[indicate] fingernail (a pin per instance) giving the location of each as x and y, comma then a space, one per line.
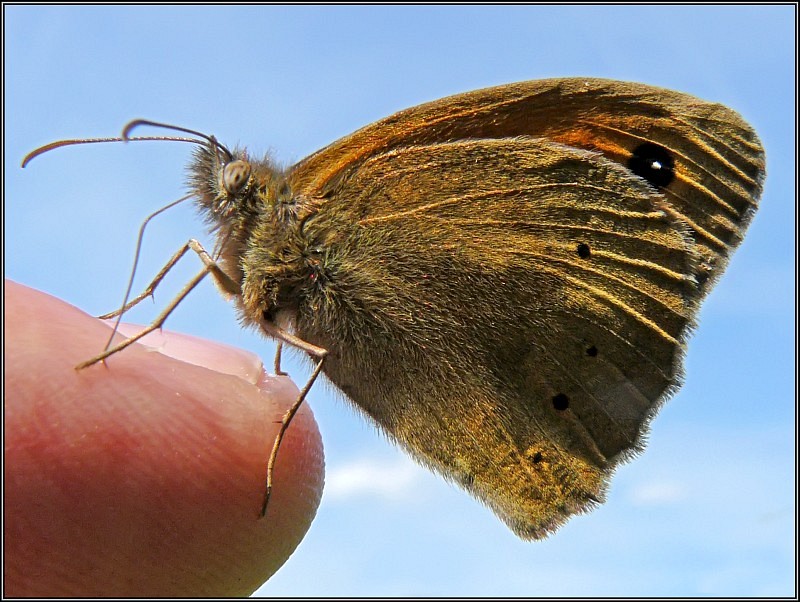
200, 352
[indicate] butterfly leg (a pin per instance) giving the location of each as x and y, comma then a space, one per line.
277, 365
225, 282
319, 353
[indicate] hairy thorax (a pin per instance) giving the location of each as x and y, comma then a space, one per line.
266, 241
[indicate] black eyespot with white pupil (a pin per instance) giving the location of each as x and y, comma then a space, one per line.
654, 163
235, 176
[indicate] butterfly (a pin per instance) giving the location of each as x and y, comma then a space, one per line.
503, 281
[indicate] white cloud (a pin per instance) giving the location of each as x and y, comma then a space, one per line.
394, 479
658, 493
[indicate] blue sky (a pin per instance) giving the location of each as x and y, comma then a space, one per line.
708, 509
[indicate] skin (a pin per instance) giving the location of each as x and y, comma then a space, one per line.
144, 476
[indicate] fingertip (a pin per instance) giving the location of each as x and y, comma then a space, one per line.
133, 475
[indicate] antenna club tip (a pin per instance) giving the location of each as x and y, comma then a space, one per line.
126, 131
30, 156
132, 125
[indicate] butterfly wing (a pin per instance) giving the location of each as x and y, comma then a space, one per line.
511, 309
709, 162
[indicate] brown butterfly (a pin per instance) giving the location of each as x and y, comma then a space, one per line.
502, 280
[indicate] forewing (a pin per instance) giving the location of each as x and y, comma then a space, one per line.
713, 186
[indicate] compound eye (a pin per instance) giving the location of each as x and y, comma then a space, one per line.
235, 176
